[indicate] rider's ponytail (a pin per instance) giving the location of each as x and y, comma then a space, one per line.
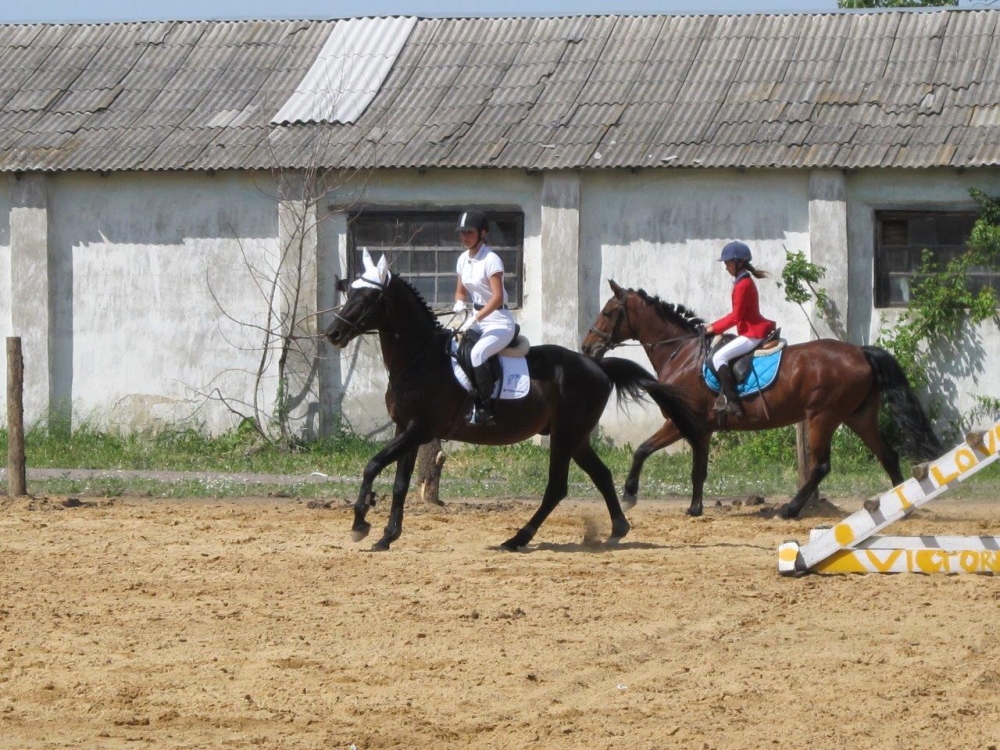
757, 274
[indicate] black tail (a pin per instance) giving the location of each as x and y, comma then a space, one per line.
632, 381
921, 442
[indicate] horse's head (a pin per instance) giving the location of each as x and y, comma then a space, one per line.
612, 326
364, 309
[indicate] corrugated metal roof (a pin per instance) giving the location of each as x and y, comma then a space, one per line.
843, 90
348, 71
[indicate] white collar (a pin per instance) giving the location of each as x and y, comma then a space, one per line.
483, 249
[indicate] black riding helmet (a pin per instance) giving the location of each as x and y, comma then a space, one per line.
473, 220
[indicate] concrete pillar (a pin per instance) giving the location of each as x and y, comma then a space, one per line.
828, 246
30, 289
297, 301
331, 268
561, 271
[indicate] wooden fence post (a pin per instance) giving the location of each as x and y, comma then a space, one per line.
16, 475
802, 457
430, 459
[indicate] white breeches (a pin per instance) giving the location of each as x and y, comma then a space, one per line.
498, 332
736, 347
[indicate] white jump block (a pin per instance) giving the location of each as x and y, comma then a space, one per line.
851, 547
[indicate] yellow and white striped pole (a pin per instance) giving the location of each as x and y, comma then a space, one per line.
842, 549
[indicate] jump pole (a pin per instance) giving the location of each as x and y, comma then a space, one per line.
852, 546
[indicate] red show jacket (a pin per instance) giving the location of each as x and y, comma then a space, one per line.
746, 311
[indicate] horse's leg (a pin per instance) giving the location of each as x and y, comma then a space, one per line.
668, 434
404, 471
555, 491
820, 429
588, 460
660, 439
699, 473
864, 423
403, 441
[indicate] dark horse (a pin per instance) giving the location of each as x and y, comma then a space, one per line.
826, 383
567, 396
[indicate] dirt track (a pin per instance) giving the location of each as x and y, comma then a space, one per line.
144, 623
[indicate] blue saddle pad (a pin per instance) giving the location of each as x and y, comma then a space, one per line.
763, 372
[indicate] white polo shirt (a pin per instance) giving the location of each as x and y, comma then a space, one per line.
475, 274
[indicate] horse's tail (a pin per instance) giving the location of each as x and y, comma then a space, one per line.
890, 380
633, 382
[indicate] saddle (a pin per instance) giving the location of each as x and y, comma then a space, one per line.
518, 348
742, 365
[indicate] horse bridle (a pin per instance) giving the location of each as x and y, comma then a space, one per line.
608, 339
356, 327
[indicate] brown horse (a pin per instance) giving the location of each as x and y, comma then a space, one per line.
567, 395
825, 383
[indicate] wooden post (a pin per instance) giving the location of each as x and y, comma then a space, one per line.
430, 459
802, 454
16, 476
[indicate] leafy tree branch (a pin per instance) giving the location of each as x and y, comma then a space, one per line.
800, 279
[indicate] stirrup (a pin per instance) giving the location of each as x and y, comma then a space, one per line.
481, 416
724, 406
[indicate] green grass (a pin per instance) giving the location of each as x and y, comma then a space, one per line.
742, 464
190, 450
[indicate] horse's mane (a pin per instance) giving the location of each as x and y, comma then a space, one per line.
431, 317
678, 314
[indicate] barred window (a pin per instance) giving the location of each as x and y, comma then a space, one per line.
423, 247
900, 240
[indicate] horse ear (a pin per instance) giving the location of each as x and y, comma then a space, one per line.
366, 258
382, 268
614, 287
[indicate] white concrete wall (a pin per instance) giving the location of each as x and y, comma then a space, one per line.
138, 335
137, 338
5, 329
974, 359
663, 232
5, 297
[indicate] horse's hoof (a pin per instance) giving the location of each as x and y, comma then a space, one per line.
786, 512
380, 546
360, 531
628, 501
520, 539
695, 512
619, 531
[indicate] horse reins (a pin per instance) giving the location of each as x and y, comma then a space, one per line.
370, 309
608, 339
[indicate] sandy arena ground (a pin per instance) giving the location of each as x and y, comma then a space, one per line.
138, 623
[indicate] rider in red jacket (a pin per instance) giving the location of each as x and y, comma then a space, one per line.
751, 326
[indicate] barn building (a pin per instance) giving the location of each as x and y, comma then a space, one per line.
180, 194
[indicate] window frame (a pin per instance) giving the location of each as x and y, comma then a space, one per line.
883, 273
513, 277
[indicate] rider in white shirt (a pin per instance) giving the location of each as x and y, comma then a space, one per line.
480, 281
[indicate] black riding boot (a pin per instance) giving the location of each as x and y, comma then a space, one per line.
728, 401
482, 412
